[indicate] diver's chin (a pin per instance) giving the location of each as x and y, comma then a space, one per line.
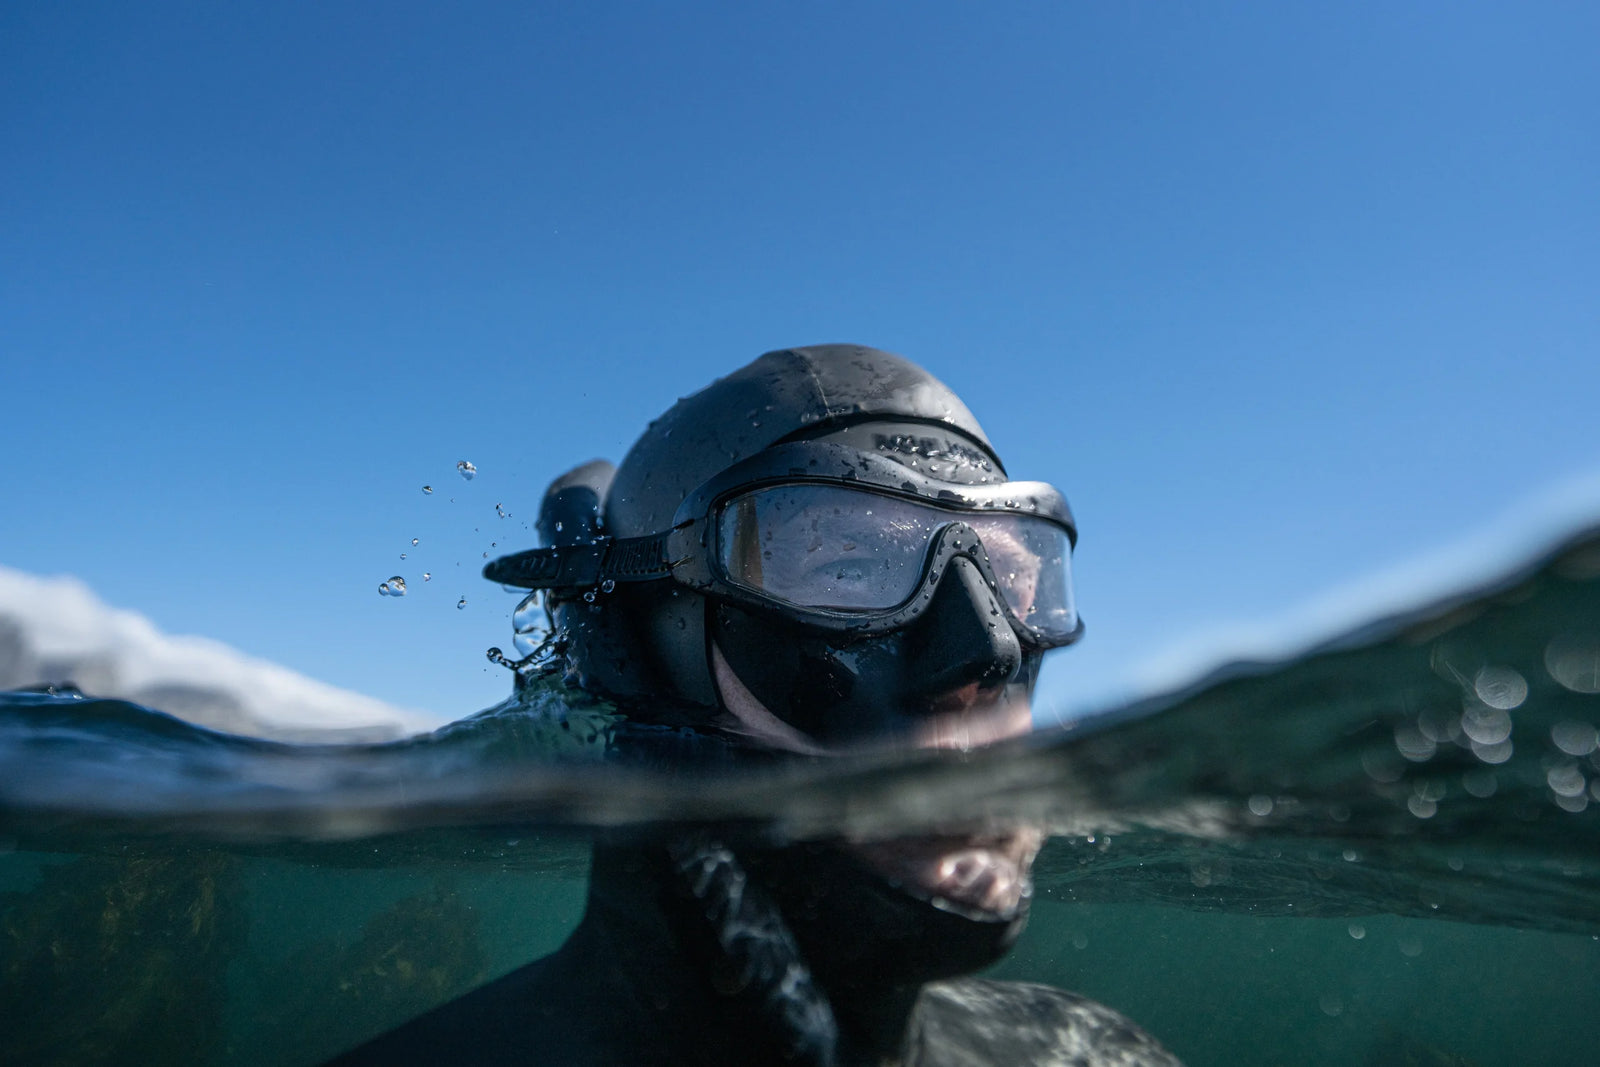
987, 878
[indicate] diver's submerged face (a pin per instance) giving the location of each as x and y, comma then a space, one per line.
956, 678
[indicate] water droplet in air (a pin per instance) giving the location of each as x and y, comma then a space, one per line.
427, 489
461, 604
607, 585
467, 470
526, 615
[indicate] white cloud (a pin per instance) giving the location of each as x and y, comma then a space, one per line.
56, 630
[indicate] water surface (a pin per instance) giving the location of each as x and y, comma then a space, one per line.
1385, 851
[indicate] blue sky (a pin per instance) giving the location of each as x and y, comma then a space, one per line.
1279, 294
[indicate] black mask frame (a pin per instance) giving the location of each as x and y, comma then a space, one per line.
687, 553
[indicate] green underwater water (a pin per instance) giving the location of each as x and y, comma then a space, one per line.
283, 964
1430, 783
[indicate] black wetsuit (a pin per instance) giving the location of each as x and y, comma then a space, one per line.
642, 983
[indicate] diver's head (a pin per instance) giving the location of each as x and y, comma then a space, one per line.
820, 550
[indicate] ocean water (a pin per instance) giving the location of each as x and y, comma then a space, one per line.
1385, 851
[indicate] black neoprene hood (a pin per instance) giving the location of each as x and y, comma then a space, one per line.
782, 395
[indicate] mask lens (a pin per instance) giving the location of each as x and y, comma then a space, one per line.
1032, 563
841, 549
819, 546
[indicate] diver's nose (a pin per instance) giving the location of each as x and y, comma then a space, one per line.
963, 637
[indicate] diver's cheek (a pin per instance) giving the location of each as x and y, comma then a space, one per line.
755, 721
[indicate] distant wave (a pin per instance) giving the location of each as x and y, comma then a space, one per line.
56, 631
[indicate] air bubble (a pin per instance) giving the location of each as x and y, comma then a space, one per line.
1413, 744
414, 541
1500, 687
461, 605
1486, 724
1575, 738
466, 470
500, 511
1566, 780
1357, 931
607, 585
1260, 805
1573, 660
427, 576
402, 555
589, 597
428, 489
395, 586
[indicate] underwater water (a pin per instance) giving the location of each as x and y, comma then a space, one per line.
1384, 852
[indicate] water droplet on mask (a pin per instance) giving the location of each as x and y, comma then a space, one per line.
461, 604
607, 585
428, 489
467, 470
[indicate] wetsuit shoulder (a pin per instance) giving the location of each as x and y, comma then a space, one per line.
975, 1022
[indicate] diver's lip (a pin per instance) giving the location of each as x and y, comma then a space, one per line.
986, 874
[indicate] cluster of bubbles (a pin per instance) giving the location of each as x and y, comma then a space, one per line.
1484, 726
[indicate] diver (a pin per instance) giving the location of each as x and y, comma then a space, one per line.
819, 553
